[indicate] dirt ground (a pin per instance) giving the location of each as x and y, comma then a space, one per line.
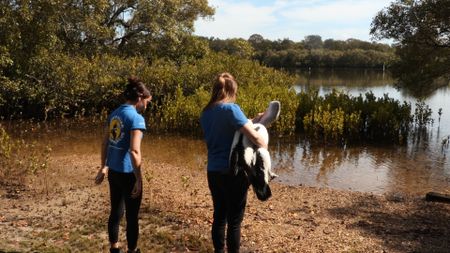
60, 210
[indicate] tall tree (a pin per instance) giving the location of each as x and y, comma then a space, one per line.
313, 42
128, 27
255, 39
239, 47
421, 29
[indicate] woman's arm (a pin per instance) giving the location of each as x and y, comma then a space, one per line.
253, 135
103, 169
104, 147
136, 160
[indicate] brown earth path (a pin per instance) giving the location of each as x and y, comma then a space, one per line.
62, 211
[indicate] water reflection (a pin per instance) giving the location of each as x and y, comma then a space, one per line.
344, 77
420, 166
367, 169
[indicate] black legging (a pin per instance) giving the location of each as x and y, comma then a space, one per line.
120, 187
229, 194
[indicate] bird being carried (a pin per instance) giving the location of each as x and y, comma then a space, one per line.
255, 162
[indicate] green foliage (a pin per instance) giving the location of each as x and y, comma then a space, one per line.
255, 98
5, 58
339, 118
180, 112
60, 57
423, 115
61, 85
325, 123
132, 27
238, 47
179, 109
10, 96
421, 70
421, 30
307, 102
386, 118
313, 42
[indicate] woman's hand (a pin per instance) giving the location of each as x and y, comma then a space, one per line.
257, 118
253, 135
101, 175
137, 189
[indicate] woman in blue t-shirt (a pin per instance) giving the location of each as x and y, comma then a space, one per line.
220, 119
121, 159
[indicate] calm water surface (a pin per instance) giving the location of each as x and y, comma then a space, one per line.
416, 168
420, 166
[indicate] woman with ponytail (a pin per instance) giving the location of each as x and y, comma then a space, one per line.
121, 159
220, 119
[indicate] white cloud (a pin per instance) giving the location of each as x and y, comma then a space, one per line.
294, 19
234, 20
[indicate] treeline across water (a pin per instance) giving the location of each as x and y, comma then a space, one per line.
312, 52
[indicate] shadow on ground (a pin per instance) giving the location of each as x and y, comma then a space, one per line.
418, 227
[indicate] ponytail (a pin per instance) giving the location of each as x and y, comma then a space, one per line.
225, 87
135, 89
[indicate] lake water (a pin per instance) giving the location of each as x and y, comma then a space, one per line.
417, 168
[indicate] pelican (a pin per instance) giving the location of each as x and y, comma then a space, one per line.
255, 162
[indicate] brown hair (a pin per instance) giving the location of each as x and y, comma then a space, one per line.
135, 89
225, 87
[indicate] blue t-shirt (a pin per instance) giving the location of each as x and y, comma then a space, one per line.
120, 123
219, 123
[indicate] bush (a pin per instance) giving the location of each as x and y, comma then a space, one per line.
339, 118
180, 109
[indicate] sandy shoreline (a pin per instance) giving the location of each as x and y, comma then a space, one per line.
176, 215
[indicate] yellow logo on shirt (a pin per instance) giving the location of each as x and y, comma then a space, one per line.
115, 130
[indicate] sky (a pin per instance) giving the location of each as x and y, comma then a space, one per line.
292, 19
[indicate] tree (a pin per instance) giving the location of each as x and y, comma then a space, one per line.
255, 39
239, 47
334, 44
150, 28
313, 42
421, 30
